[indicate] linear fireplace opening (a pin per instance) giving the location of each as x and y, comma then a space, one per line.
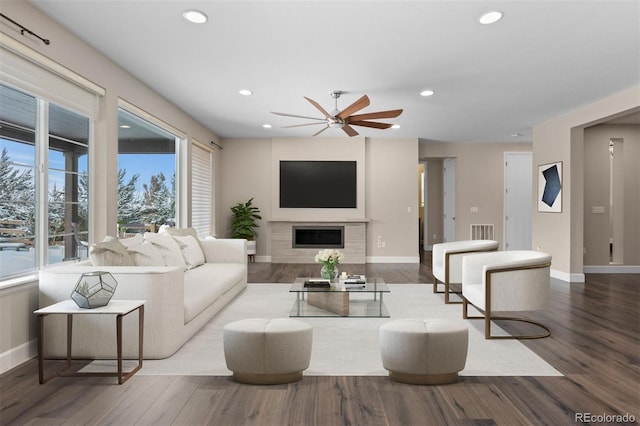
318, 237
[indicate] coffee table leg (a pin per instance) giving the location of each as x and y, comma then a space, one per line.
380, 306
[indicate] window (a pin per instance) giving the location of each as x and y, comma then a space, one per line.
43, 216
146, 174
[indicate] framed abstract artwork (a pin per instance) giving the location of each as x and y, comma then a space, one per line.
550, 187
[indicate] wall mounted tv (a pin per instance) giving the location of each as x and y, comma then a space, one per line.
318, 184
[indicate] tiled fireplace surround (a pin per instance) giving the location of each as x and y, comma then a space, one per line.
282, 250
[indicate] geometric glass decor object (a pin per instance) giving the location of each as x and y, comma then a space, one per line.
94, 289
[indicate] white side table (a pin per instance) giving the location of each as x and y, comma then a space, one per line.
120, 308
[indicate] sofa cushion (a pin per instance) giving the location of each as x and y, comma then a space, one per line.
168, 248
110, 252
191, 251
204, 285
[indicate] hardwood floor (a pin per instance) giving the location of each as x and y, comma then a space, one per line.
594, 343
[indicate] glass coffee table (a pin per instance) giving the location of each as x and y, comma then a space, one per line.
340, 301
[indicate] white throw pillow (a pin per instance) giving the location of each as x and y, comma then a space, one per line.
191, 250
136, 240
110, 252
142, 252
146, 254
168, 248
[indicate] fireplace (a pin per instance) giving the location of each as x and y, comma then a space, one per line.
318, 237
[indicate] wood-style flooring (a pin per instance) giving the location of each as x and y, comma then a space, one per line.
594, 343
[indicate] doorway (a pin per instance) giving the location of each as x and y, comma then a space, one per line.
449, 199
616, 201
518, 196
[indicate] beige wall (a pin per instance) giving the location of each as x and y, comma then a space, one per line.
479, 183
562, 139
596, 192
387, 188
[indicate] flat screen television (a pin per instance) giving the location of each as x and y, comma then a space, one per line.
318, 184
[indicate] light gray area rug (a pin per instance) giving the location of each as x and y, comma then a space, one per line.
348, 346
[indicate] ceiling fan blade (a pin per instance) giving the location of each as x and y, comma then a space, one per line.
317, 105
373, 124
302, 125
320, 131
363, 102
392, 113
349, 130
298, 116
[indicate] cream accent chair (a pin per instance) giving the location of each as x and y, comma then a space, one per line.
446, 263
517, 280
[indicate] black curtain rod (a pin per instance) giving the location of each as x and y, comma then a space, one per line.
24, 29
219, 147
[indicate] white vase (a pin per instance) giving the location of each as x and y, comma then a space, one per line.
251, 247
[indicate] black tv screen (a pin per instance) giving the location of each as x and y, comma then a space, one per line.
318, 184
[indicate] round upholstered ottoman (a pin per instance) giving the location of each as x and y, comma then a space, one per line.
263, 351
426, 352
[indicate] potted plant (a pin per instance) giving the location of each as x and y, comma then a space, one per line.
244, 223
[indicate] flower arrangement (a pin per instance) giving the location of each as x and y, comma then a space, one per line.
329, 259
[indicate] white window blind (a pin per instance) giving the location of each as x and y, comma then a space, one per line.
28, 70
201, 190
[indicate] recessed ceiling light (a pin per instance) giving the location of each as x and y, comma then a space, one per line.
245, 92
125, 126
516, 135
195, 16
395, 126
490, 17
427, 92
267, 126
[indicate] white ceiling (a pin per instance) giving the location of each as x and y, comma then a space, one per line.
544, 58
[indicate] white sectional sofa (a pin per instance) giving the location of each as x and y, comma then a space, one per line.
179, 301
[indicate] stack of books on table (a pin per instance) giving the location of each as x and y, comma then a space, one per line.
317, 283
354, 281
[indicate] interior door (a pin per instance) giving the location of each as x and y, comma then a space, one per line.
449, 194
518, 187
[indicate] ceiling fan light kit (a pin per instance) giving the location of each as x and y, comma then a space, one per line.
344, 119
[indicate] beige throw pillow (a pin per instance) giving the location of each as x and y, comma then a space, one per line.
110, 252
191, 251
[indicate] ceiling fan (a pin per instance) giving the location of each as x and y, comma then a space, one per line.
344, 119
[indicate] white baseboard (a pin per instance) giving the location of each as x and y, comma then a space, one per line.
568, 277
16, 356
263, 259
393, 259
612, 269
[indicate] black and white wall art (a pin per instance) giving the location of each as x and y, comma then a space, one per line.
550, 187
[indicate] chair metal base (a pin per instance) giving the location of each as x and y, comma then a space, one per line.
446, 292
488, 318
